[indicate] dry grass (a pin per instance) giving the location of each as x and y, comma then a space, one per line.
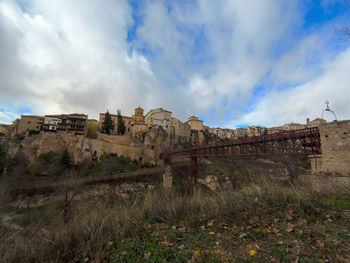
92, 225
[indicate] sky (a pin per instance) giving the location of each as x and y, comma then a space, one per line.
233, 63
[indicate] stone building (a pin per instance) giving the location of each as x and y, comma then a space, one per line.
127, 120
138, 125
138, 116
240, 133
293, 126
30, 122
195, 123
274, 130
315, 123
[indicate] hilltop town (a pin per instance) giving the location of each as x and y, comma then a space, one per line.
138, 124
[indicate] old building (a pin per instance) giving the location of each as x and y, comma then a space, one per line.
138, 125
255, 131
274, 130
240, 133
293, 126
315, 123
51, 123
30, 122
127, 120
74, 123
158, 118
138, 116
195, 123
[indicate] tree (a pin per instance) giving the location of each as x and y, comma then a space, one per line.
121, 124
91, 131
108, 125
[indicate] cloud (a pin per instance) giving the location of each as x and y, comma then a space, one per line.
307, 100
191, 57
70, 56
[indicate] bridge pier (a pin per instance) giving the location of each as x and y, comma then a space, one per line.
193, 176
167, 176
316, 163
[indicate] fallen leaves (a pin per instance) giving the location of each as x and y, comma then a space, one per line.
210, 223
290, 227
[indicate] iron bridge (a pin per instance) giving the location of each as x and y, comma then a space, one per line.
295, 142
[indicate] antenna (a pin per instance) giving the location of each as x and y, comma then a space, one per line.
329, 109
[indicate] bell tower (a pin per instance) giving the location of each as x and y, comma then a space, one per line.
139, 118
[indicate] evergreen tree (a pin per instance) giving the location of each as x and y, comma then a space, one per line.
121, 124
107, 125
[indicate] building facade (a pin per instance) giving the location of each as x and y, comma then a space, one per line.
127, 120
195, 123
138, 125
159, 118
51, 123
30, 122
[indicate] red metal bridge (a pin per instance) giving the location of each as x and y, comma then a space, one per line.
295, 142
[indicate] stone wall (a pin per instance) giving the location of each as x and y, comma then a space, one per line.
335, 147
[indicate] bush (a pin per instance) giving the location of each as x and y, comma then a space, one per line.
47, 157
106, 156
33, 132
133, 166
29, 167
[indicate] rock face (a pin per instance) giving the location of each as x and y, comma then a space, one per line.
81, 149
212, 183
123, 191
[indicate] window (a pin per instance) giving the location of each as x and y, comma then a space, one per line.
28, 122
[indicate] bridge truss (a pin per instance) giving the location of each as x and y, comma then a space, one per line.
295, 142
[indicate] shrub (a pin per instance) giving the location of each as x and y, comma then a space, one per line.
106, 156
133, 166
33, 132
47, 157
29, 167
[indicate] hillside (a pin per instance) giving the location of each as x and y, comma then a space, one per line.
245, 210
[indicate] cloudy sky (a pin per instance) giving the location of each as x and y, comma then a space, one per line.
231, 62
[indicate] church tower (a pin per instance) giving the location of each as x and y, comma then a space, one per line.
138, 117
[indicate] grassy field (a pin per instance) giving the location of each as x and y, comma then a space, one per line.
259, 221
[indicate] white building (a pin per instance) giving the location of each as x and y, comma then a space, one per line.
159, 118
51, 123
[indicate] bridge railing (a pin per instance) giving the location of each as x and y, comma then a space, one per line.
295, 142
